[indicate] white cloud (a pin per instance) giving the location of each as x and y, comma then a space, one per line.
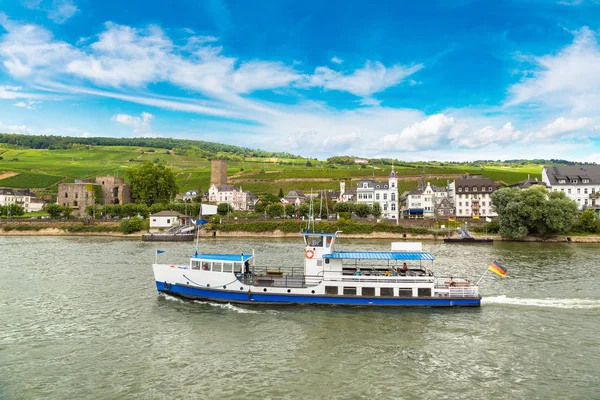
28, 105
62, 10
85, 134
336, 60
9, 92
14, 129
140, 125
257, 75
432, 133
568, 79
562, 127
372, 78
489, 135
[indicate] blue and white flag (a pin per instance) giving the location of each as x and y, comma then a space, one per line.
159, 251
199, 221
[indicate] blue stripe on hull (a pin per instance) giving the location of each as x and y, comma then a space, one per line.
281, 299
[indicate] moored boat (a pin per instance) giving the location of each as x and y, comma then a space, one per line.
328, 277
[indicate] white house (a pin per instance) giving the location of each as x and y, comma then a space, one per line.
22, 197
295, 197
579, 182
190, 195
370, 191
166, 219
425, 199
236, 197
473, 196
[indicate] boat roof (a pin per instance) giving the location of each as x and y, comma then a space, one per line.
319, 233
222, 257
380, 255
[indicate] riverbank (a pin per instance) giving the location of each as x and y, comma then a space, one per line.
55, 231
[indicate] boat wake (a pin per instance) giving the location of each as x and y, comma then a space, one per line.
225, 306
589, 304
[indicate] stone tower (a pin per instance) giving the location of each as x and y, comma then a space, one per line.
218, 172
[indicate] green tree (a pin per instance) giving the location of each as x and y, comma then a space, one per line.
361, 210
128, 226
152, 183
268, 199
533, 211
588, 221
53, 210
275, 210
12, 210
66, 211
223, 208
260, 207
290, 209
376, 210
303, 210
340, 207
280, 195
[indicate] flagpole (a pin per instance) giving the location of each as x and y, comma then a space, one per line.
156, 256
486, 270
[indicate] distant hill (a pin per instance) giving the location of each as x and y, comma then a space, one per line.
202, 148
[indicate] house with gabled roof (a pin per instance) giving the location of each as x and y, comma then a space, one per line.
579, 182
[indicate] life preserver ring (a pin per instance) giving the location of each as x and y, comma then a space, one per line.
171, 266
309, 254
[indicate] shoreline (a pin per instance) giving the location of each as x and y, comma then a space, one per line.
280, 234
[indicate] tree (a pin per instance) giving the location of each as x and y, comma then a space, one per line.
289, 209
66, 211
152, 183
280, 195
376, 210
303, 210
275, 210
53, 210
342, 207
223, 208
260, 207
269, 198
362, 210
533, 211
588, 221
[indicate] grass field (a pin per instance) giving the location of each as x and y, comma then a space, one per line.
45, 168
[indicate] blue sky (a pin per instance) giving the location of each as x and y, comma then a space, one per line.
428, 80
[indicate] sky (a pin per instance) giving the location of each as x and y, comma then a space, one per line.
455, 80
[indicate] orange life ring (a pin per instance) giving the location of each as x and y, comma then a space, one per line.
309, 254
171, 266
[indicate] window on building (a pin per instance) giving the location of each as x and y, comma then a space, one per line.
561, 181
377, 196
385, 207
75, 203
168, 220
569, 190
424, 292
483, 188
349, 291
393, 206
466, 204
386, 291
483, 203
393, 198
489, 189
365, 185
66, 195
585, 191
474, 188
585, 180
460, 188
385, 196
578, 190
573, 180
404, 292
331, 290
76, 195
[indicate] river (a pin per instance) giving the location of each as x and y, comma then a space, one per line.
81, 319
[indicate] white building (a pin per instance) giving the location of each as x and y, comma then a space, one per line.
22, 197
190, 195
579, 182
234, 196
472, 196
370, 191
425, 199
166, 219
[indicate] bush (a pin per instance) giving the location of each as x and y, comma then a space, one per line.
128, 226
587, 221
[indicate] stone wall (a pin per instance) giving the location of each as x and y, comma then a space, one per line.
76, 196
114, 190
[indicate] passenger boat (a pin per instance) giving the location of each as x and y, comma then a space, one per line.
328, 277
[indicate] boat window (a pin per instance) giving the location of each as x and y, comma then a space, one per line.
205, 266
216, 266
331, 290
237, 267
405, 292
424, 292
195, 264
227, 267
349, 291
368, 291
386, 291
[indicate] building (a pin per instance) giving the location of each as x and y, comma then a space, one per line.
233, 195
22, 197
579, 182
295, 197
472, 196
166, 219
79, 195
190, 195
85, 192
370, 191
114, 190
425, 200
346, 194
218, 172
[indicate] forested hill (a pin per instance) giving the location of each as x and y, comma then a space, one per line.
202, 148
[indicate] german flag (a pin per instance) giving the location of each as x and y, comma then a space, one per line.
451, 219
497, 268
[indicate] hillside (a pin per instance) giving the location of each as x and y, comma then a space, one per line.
261, 172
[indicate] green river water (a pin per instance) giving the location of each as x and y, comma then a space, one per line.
80, 318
